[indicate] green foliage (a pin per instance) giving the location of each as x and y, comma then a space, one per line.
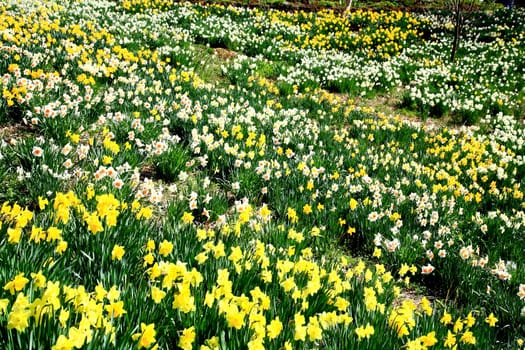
194, 165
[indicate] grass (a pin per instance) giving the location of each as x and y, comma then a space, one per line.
210, 62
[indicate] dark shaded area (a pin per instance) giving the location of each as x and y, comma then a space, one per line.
336, 6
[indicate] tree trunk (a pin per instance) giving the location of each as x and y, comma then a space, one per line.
457, 31
349, 7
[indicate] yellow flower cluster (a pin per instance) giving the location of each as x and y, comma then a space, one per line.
377, 34
300, 279
144, 5
107, 209
460, 328
403, 319
468, 162
79, 315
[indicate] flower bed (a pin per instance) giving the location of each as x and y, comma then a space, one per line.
149, 203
